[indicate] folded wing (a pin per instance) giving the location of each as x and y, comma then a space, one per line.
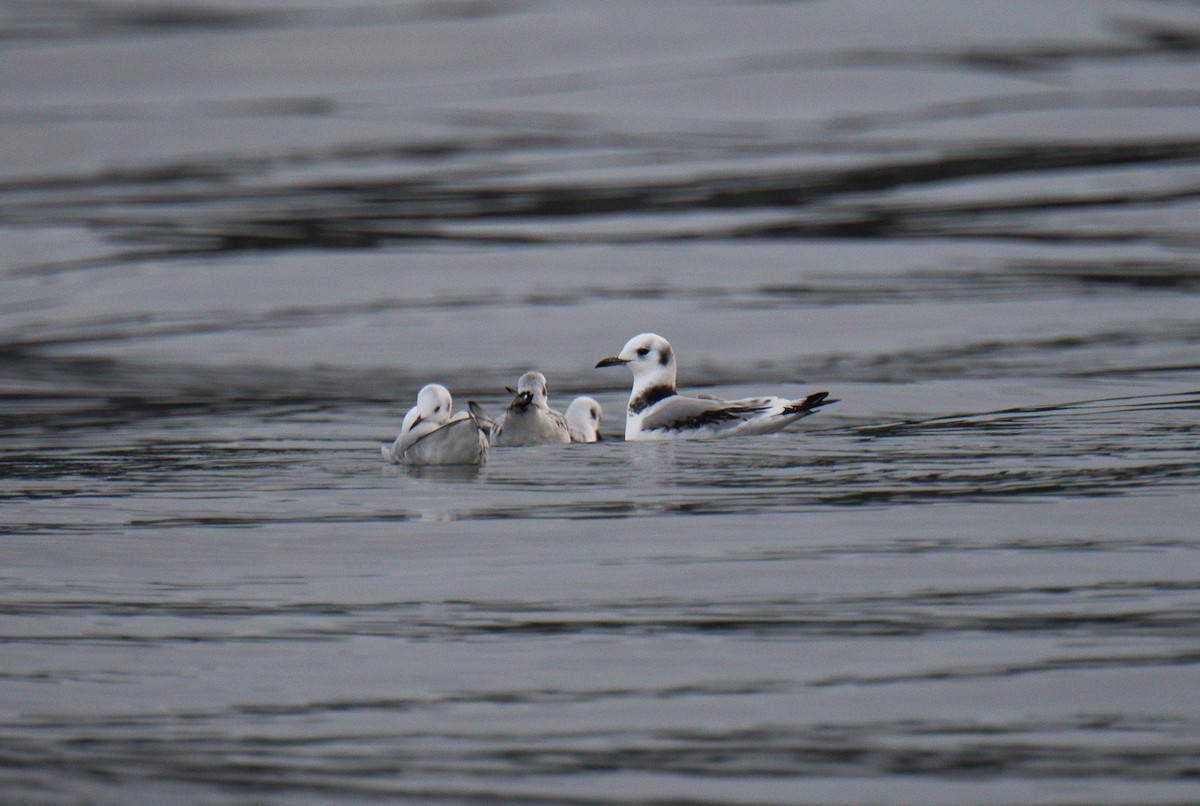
682, 413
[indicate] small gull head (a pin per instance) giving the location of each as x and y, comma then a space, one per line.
649, 357
531, 388
433, 405
583, 415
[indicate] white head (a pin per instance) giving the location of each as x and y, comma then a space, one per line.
531, 388
584, 415
650, 358
433, 406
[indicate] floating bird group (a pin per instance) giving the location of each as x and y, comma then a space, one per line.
432, 435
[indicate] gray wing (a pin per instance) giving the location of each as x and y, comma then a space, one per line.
457, 442
560, 421
679, 412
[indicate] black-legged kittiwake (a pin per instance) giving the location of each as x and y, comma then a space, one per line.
529, 420
431, 435
583, 419
658, 411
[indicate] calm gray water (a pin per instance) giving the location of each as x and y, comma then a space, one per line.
236, 238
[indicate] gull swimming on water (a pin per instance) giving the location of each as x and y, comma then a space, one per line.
431, 436
658, 411
529, 420
583, 419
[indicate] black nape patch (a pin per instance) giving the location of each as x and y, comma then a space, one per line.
651, 396
664, 356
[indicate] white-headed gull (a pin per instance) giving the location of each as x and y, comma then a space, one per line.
583, 418
431, 435
658, 411
529, 420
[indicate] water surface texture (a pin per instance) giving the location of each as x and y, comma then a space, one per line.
236, 238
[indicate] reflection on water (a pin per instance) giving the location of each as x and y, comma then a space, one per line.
237, 237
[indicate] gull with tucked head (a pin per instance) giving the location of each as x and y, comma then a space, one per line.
583, 418
658, 411
431, 435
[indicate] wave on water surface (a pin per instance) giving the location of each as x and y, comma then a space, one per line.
238, 237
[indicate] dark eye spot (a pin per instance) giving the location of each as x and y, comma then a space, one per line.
643, 351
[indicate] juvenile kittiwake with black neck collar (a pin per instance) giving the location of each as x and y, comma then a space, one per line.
657, 410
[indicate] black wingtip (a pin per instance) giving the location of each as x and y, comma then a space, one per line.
481, 418
810, 403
